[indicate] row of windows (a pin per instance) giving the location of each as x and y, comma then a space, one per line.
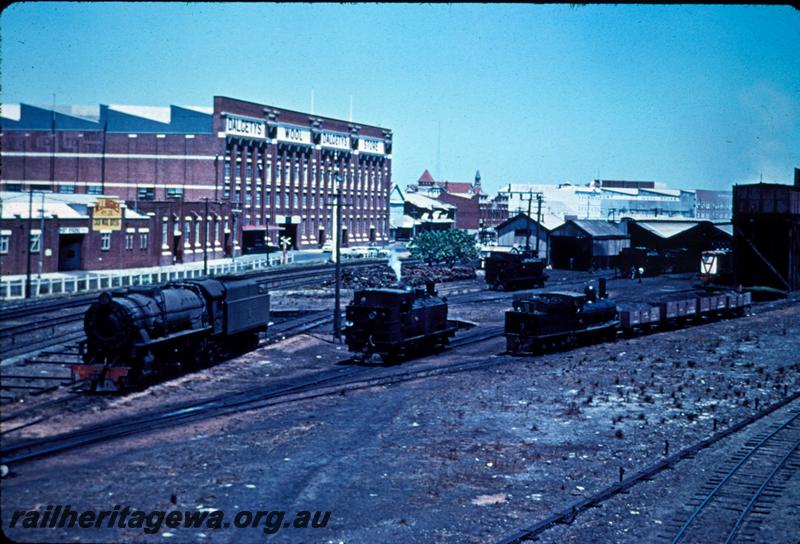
105, 242
371, 176
187, 232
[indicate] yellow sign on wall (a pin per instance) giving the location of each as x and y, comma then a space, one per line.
107, 214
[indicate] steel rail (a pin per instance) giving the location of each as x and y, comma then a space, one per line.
727, 478
569, 514
247, 400
758, 493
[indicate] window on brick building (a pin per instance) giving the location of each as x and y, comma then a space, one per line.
165, 235
94, 189
129, 242
143, 239
296, 200
227, 170
267, 199
146, 193
4, 241
174, 192
269, 172
35, 242
68, 188
105, 241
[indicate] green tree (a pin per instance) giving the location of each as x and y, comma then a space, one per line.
451, 246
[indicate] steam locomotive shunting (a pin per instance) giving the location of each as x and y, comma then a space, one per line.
137, 333
396, 322
547, 321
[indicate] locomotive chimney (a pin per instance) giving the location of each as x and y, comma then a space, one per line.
430, 288
602, 288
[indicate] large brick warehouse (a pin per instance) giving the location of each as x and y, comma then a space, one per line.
267, 172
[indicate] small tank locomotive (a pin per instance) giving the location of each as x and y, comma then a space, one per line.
395, 323
541, 322
509, 271
136, 333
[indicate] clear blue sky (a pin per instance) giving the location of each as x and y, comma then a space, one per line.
694, 96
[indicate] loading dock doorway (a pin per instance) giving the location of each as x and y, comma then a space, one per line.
69, 252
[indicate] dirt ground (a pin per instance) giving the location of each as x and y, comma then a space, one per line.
466, 457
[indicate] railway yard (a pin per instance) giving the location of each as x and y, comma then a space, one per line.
686, 434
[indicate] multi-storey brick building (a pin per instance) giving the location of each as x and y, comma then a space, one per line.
268, 172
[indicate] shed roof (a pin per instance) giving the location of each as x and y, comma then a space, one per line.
595, 228
61, 205
667, 229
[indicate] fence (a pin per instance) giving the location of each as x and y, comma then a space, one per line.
93, 281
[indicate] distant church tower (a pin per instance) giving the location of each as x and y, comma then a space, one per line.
477, 186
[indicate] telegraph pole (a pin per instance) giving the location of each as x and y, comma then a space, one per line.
205, 240
528, 223
538, 220
30, 240
41, 238
337, 324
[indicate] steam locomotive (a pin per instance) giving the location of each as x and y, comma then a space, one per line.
393, 323
514, 271
140, 332
547, 321
559, 319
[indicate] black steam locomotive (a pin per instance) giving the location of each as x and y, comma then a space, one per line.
559, 319
136, 333
510, 271
550, 321
394, 323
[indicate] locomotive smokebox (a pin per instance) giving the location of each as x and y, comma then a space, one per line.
430, 288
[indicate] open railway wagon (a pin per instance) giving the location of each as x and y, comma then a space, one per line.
138, 333
514, 271
559, 319
396, 322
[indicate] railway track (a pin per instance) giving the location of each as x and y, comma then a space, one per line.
568, 514
746, 485
337, 380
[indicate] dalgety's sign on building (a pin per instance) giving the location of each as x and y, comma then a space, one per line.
335, 140
371, 145
295, 135
244, 126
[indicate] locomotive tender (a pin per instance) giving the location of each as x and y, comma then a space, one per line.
396, 322
139, 332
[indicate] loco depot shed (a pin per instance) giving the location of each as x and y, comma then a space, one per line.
581, 244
